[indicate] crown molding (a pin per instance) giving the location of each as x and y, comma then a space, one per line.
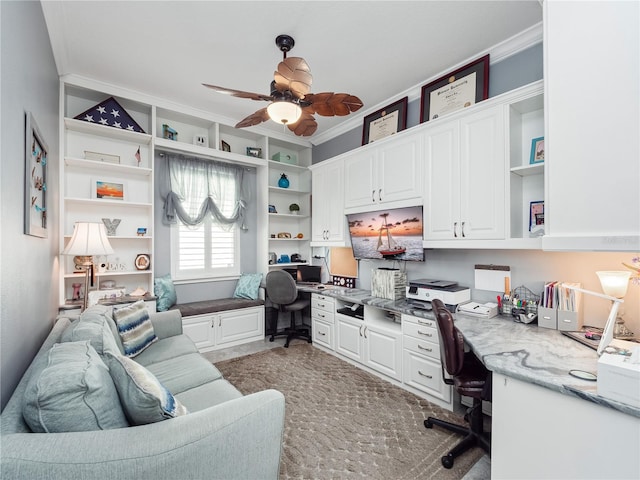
501, 51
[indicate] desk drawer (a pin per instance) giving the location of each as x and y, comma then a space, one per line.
422, 347
425, 374
422, 332
322, 333
322, 302
322, 315
425, 322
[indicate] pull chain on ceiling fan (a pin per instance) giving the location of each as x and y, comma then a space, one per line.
291, 103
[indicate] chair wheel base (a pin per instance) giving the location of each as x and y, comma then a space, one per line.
428, 424
447, 461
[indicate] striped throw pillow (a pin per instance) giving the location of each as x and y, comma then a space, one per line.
134, 327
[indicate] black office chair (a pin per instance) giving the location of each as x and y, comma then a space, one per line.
282, 291
470, 378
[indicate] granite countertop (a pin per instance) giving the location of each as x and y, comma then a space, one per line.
526, 352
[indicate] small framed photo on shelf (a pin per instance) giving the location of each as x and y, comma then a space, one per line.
254, 152
143, 261
101, 157
459, 89
224, 146
169, 133
141, 231
536, 216
384, 122
537, 150
107, 189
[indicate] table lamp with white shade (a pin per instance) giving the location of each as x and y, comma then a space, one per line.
615, 283
88, 239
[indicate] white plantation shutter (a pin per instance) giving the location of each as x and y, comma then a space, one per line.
209, 249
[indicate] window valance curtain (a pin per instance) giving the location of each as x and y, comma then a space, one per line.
192, 188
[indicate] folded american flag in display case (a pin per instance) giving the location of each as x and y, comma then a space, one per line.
111, 114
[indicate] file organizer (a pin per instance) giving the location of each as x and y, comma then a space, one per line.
561, 308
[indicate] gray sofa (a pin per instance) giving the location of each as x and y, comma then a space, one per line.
224, 435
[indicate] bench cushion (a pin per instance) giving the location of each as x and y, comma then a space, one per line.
213, 306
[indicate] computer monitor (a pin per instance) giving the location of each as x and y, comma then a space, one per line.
309, 274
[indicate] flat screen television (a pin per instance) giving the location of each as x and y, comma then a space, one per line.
389, 234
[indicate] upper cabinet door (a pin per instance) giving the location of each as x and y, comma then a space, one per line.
328, 204
359, 178
399, 169
482, 175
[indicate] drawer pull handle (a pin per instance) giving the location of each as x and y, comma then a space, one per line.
321, 315
425, 375
425, 348
321, 333
425, 334
428, 324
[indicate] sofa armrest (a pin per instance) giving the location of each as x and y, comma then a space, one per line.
167, 324
238, 439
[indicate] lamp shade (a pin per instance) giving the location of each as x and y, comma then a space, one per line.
614, 283
284, 112
88, 239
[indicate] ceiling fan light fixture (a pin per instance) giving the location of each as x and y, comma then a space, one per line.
284, 111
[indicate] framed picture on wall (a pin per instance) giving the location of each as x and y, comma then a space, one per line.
461, 88
36, 156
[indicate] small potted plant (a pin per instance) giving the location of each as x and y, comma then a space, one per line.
294, 208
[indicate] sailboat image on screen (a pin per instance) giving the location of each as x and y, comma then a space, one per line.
389, 234
391, 248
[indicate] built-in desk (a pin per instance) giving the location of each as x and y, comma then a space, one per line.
546, 423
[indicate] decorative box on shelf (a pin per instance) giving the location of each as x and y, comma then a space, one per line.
388, 283
285, 158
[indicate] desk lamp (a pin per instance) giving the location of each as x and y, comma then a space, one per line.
614, 284
88, 239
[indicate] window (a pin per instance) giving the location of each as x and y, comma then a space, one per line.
208, 250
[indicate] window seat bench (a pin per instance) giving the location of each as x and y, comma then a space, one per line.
222, 323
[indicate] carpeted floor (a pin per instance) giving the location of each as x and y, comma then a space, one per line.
345, 423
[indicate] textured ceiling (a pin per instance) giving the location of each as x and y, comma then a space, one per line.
372, 49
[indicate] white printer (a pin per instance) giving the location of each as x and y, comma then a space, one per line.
425, 290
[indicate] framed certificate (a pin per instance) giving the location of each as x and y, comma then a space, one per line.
384, 122
461, 88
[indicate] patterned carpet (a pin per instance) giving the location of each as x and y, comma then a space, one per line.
344, 423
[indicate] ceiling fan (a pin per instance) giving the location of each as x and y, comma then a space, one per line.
291, 102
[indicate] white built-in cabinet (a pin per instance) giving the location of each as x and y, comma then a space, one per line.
225, 329
322, 321
592, 125
328, 221
375, 341
295, 225
465, 177
385, 172
83, 166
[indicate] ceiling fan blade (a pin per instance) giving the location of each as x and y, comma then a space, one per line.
239, 93
305, 126
293, 74
329, 104
254, 119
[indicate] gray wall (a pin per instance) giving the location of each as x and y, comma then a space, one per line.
515, 71
193, 292
28, 268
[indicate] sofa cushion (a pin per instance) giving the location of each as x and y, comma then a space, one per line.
135, 328
96, 325
167, 348
213, 306
248, 286
184, 372
72, 393
208, 395
143, 398
165, 293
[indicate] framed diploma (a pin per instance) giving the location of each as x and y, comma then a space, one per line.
384, 122
461, 88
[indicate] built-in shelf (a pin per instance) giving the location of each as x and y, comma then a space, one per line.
275, 265
287, 167
288, 191
81, 126
527, 170
287, 215
109, 273
104, 202
114, 168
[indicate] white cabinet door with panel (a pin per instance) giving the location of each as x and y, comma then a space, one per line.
327, 220
349, 336
383, 349
465, 178
383, 173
